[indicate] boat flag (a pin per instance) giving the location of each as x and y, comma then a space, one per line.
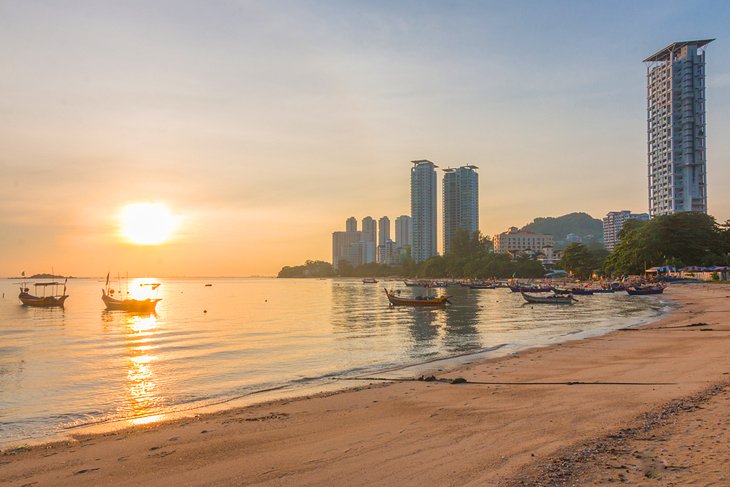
107, 279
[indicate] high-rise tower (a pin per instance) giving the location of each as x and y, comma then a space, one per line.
676, 128
423, 209
403, 231
461, 202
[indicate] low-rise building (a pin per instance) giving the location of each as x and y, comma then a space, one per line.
516, 240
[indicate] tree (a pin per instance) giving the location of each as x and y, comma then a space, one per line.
578, 260
680, 239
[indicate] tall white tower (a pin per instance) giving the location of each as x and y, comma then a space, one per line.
423, 210
676, 145
461, 202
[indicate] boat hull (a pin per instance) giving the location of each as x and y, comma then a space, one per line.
42, 302
136, 305
520, 289
568, 299
644, 291
435, 302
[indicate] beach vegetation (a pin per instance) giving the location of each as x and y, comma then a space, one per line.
680, 239
582, 261
311, 268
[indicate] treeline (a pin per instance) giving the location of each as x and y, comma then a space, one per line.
470, 256
677, 240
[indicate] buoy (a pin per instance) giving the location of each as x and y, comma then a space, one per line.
205, 311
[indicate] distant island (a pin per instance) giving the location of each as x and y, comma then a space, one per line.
43, 276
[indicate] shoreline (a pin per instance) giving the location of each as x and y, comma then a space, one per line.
329, 383
376, 419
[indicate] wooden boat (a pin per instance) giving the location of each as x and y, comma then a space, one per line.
604, 291
369, 280
481, 286
414, 283
554, 299
516, 288
417, 301
133, 305
644, 290
54, 300
582, 291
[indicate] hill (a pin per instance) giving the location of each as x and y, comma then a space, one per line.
581, 224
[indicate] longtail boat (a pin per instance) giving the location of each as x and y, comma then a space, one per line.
126, 304
554, 299
54, 300
481, 286
644, 290
417, 301
530, 289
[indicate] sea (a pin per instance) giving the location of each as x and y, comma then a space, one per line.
224, 342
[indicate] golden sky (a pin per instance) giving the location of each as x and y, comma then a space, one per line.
263, 126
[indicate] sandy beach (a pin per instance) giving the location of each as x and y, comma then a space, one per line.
648, 405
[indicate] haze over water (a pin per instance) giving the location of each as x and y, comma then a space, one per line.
62, 368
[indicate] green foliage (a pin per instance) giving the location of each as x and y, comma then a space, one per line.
311, 268
680, 239
581, 260
578, 223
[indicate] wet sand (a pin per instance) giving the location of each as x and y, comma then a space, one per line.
650, 404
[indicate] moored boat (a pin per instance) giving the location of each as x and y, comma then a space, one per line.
53, 300
516, 288
554, 299
147, 305
417, 301
369, 280
481, 286
644, 290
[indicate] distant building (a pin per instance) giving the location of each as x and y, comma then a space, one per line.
614, 222
423, 210
461, 202
573, 238
383, 238
369, 234
388, 253
341, 247
403, 230
515, 240
369, 229
360, 252
676, 130
351, 224
384, 230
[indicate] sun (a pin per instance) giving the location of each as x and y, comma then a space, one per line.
147, 223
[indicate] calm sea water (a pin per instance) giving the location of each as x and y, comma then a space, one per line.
205, 345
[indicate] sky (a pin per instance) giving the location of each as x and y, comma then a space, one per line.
263, 125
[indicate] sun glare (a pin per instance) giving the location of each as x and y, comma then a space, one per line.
147, 223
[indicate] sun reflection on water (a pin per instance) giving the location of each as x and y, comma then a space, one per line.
141, 385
